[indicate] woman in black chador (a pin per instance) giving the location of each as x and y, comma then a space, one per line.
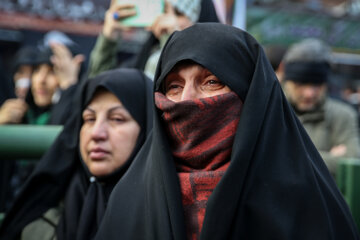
228, 159
66, 196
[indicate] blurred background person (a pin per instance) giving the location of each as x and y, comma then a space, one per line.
331, 124
177, 15
23, 65
55, 70
275, 54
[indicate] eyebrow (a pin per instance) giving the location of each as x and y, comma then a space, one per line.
110, 110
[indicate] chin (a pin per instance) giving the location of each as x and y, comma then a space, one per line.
306, 109
42, 103
99, 172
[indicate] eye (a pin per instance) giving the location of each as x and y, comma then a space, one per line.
36, 69
173, 87
213, 84
117, 119
89, 119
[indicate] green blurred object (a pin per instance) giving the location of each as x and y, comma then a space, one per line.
26, 141
285, 26
348, 181
2, 216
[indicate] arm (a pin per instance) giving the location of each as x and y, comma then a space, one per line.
344, 137
103, 56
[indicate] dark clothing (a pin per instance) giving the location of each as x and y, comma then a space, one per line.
276, 186
62, 176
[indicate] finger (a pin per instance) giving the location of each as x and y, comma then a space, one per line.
125, 13
169, 9
54, 60
155, 26
78, 59
112, 3
57, 63
61, 50
119, 7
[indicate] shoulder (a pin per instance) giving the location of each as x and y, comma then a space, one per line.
43, 227
337, 108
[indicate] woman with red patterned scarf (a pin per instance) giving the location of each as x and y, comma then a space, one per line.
227, 159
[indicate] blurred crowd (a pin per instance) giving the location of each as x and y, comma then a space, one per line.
47, 81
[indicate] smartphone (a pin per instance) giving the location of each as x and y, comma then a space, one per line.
147, 11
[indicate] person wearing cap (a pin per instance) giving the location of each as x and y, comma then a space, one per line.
22, 68
53, 68
24, 61
178, 15
331, 124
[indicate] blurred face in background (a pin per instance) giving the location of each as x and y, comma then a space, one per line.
170, 21
21, 79
305, 97
43, 84
108, 135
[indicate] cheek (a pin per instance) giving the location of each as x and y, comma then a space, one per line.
52, 83
34, 81
83, 140
293, 92
123, 143
126, 136
224, 90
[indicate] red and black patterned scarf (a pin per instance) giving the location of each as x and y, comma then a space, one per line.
201, 133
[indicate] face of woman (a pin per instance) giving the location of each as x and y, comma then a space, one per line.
43, 85
189, 81
108, 134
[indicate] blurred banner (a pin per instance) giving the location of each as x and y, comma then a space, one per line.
63, 9
274, 26
71, 16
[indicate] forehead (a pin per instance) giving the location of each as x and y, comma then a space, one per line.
103, 98
186, 65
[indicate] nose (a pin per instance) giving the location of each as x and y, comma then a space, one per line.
189, 92
309, 91
99, 131
41, 77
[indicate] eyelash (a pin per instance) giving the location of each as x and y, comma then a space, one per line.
117, 119
89, 119
212, 81
93, 119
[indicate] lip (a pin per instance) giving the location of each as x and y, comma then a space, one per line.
98, 153
41, 92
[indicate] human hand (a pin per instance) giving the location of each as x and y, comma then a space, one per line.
338, 151
112, 23
13, 111
66, 67
166, 23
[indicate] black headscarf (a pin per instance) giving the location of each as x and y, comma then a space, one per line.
276, 187
62, 175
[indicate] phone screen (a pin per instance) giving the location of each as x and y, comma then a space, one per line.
147, 11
